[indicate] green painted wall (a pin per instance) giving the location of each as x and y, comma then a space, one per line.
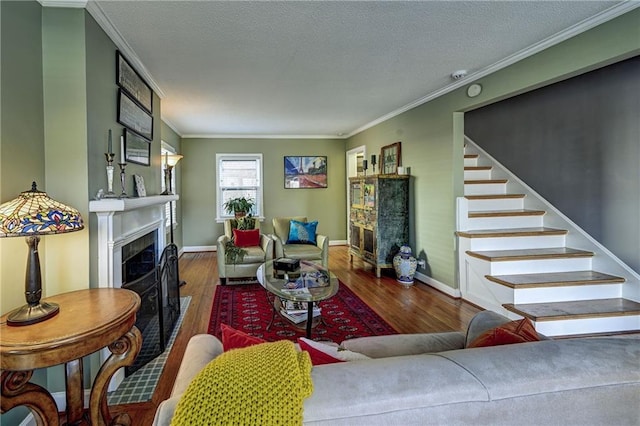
170, 137
432, 134
198, 195
21, 143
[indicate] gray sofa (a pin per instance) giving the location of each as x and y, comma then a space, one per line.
431, 379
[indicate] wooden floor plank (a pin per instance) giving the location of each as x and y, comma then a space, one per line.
576, 309
506, 213
555, 279
529, 254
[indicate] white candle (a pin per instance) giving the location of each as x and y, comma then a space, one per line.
122, 161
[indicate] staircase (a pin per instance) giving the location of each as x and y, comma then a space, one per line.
521, 257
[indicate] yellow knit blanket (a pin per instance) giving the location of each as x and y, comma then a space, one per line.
263, 384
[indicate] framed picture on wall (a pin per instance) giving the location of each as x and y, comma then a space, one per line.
390, 157
131, 82
136, 149
305, 172
133, 117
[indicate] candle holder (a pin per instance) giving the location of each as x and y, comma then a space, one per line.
109, 157
123, 180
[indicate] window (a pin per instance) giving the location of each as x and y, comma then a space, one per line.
168, 149
239, 175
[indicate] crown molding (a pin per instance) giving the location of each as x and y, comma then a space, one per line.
72, 4
259, 136
98, 14
171, 126
580, 27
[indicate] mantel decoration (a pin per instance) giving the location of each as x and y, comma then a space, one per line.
305, 172
30, 215
390, 158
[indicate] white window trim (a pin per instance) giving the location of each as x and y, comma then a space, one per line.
220, 213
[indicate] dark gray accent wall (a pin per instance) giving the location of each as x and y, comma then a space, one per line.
577, 143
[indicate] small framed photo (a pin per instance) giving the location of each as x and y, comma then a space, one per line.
305, 172
134, 117
140, 189
129, 79
137, 149
390, 158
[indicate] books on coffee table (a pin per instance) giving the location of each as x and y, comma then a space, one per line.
296, 312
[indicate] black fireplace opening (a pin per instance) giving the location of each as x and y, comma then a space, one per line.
157, 284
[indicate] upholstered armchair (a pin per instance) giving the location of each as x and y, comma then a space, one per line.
259, 249
284, 247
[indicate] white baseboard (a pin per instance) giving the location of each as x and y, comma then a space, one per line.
453, 292
195, 249
337, 242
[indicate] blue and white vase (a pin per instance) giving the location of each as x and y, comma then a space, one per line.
405, 265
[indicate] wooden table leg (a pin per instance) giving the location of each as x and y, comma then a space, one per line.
17, 390
74, 394
123, 353
309, 318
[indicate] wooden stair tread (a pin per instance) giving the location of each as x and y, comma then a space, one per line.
471, 156
529, 254
507, 213
578, 309
555, 279
472, 168
484, 181
493, 196
512, 232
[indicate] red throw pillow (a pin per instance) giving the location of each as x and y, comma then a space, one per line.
234, 339
318, 357
512, 332
249, 238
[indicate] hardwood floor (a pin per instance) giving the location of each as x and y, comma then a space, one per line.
417, 309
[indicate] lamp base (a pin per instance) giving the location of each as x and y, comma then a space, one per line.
33, 314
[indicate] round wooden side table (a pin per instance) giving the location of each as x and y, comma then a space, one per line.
88, 321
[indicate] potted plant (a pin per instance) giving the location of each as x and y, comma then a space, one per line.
232, 253
239, 206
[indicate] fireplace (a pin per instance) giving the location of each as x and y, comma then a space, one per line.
123, 221
140, 274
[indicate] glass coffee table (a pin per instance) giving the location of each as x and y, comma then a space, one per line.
309, 284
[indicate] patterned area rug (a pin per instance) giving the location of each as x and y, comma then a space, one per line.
246, 308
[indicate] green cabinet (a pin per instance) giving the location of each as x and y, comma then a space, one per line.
379, 218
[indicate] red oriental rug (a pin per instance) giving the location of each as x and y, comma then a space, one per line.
246, 308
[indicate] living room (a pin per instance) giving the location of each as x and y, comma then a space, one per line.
63, 54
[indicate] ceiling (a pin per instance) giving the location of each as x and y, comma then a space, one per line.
324, 69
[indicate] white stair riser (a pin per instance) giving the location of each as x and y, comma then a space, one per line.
566, 294
477, 289
517, 243
477, 174
496, 204
485, 188
588, 325
471, 162
530, 266
505, 222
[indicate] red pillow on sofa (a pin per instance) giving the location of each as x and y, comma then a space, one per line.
318, 356
512, 332
235, 339
249, 238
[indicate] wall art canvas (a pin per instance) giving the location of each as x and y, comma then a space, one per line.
132, 116
137, 149
305, 172
129, 79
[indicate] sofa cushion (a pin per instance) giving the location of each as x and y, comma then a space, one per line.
405, 344
302, 251
235, 339
512, 332
302, 232
281, 225
248, 238
322, 353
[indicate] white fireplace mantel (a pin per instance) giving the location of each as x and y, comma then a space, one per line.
121, 221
